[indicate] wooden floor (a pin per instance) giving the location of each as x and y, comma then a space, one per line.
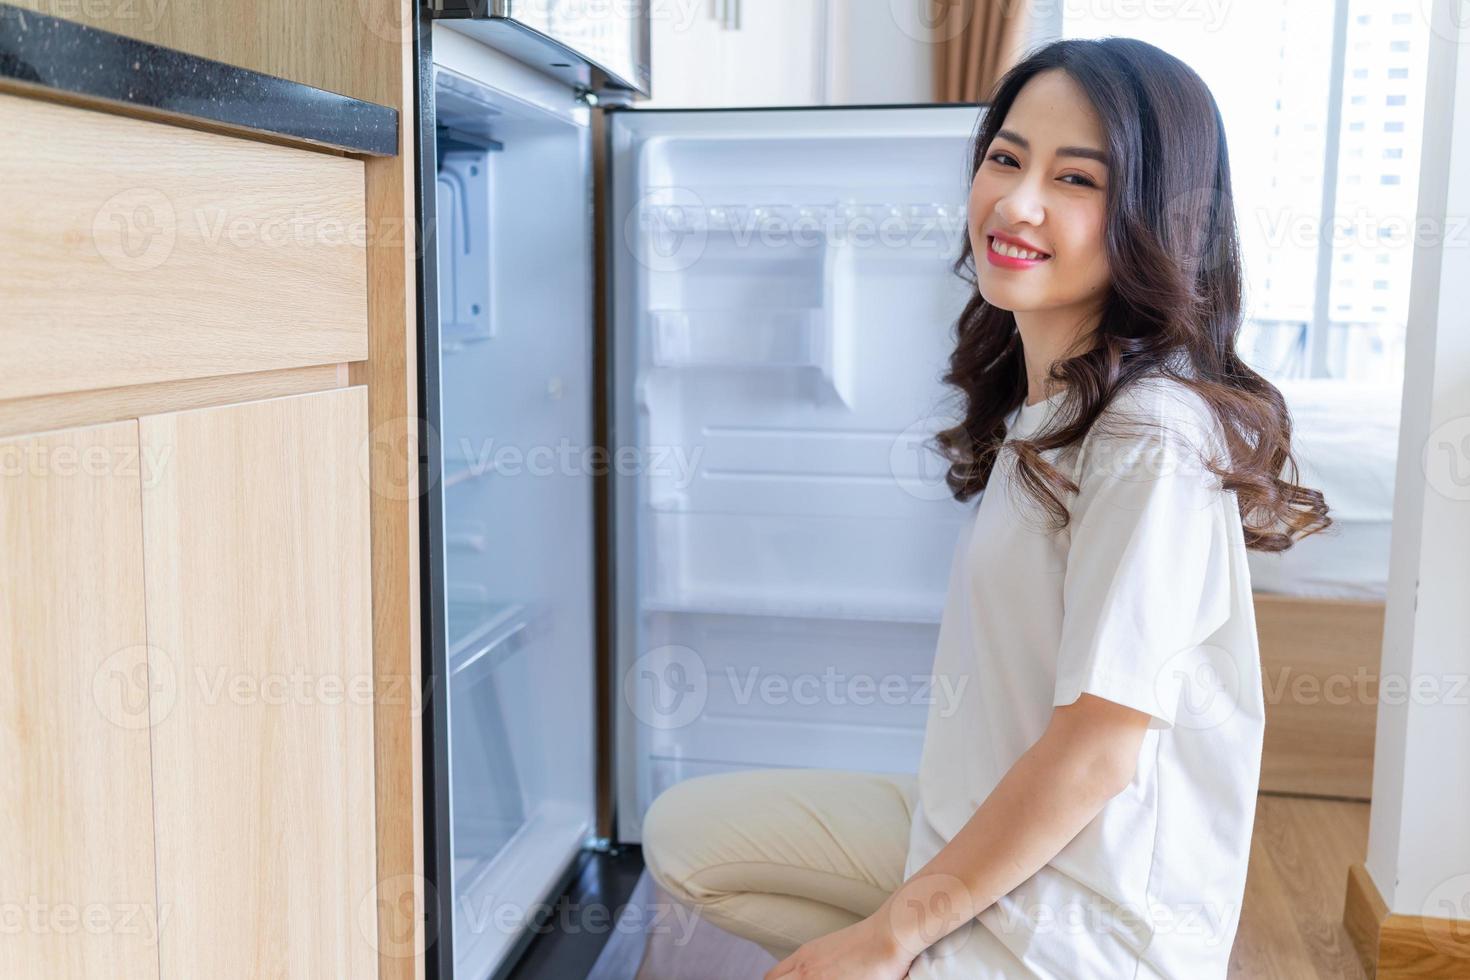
1290, 926
1291, 921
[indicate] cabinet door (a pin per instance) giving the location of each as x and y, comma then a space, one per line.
76, 827
688, 59
775, 56
255, 532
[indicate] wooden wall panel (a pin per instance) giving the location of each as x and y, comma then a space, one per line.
345, 46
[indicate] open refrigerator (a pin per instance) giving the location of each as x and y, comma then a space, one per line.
678, 371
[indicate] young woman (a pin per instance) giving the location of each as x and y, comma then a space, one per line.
1084, 809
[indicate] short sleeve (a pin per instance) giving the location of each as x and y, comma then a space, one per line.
1147, 576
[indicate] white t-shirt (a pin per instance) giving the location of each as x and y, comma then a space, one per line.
1144, 599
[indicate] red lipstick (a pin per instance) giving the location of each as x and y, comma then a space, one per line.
1007, 261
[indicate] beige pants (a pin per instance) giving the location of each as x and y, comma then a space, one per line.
781, 856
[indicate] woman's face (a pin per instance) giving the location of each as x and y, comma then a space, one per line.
1030, 186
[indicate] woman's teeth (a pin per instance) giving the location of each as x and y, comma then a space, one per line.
1016, 253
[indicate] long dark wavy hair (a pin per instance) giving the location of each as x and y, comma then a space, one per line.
1174, 306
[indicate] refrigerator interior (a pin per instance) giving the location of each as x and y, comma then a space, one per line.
515, 296
783, 309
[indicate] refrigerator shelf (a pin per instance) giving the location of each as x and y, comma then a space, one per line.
477, 630
768, 607
454, 476
883, 219
456, 337
777, 338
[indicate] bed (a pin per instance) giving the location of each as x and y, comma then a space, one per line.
1346, 440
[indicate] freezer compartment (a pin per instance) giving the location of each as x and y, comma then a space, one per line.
783, 311
584, 43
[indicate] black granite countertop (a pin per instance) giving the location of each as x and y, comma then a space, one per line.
64, 57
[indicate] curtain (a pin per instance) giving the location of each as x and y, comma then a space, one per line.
977, 41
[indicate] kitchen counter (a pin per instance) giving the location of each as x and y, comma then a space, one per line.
47, 55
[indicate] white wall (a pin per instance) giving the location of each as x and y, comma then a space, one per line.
1419, 832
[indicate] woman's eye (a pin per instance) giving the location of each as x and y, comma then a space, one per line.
1084, 181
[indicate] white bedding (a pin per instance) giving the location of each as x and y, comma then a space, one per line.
1345, 440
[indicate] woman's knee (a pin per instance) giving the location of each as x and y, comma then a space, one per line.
674, 828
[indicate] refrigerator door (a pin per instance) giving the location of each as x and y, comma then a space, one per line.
783, 307
510, 555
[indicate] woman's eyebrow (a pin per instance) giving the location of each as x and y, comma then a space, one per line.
1062, 151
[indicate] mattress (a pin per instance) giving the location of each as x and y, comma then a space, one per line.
1345, 439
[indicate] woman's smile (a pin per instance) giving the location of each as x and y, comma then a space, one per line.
1007, 255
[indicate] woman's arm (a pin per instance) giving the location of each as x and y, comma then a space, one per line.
1087, 755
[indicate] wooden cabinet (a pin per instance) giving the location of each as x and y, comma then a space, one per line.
256, 558
171, 254
185, 610
76, 814
208, 618
192, 695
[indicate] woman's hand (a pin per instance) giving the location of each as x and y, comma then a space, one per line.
865, 950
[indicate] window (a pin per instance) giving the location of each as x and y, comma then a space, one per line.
1315, 306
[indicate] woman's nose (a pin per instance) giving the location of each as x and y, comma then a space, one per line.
1019, 207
